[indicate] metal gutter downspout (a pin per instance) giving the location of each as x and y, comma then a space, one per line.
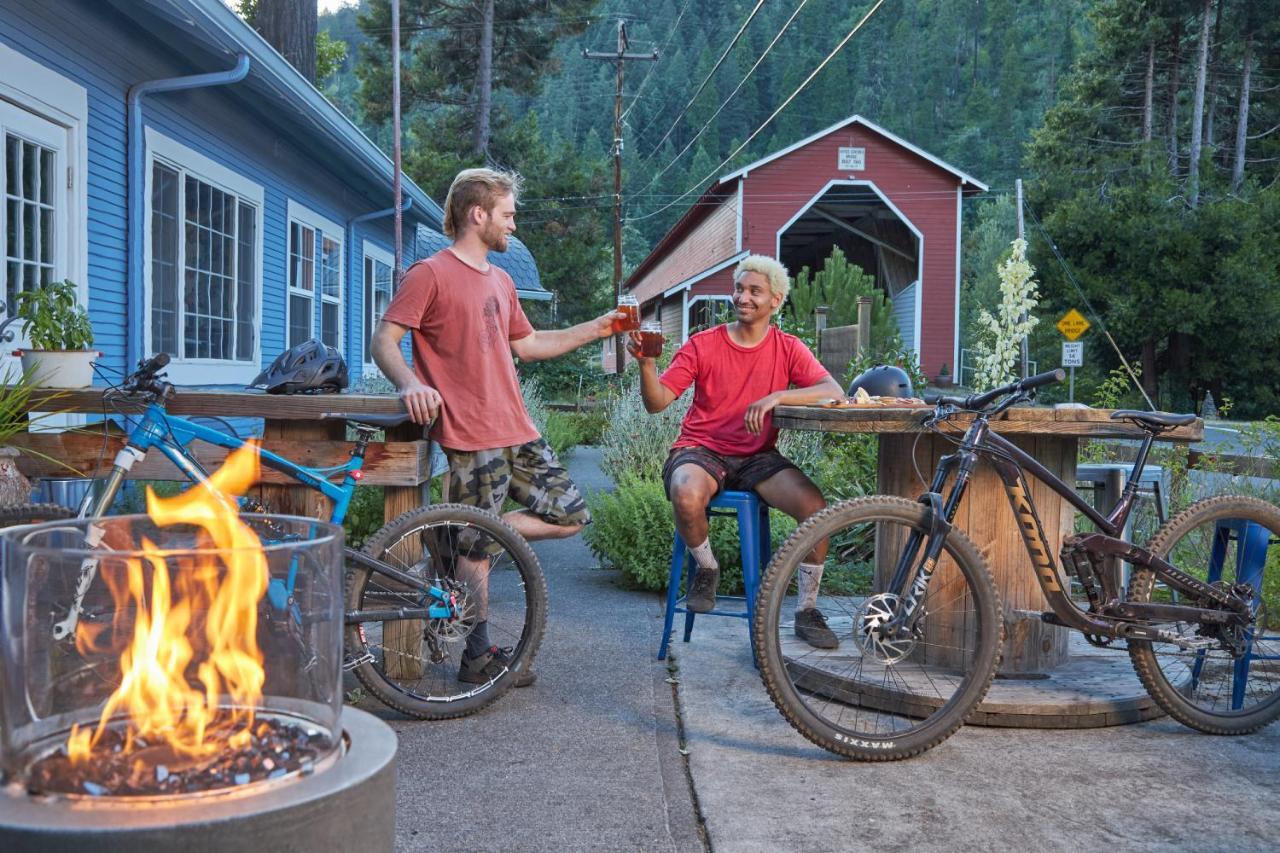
135, 331
351, 250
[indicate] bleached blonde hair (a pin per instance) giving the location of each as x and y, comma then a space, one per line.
779, 279
476, 187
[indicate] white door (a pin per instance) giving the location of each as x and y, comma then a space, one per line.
33, 217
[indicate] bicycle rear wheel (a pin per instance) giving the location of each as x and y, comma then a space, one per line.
1221, 541
413, 665
869, 699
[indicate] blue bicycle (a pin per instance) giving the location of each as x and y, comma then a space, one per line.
415, 592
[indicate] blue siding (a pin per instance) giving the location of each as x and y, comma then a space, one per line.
67, 36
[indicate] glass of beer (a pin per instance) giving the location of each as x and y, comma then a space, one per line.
628, 305
650, 340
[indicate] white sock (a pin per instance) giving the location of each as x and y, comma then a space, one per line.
703, 557
807, 580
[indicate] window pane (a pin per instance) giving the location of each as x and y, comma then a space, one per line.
46, 235
12, 163
330, 271
368, 309
30, 230
48, 179
164, 259
330, 314
299, 319
246, 284
30, 171
13, 228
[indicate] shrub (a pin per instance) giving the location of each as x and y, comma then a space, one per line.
590, 424
560, 432
636, 442
632, 529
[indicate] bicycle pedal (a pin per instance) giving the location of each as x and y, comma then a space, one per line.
351, 663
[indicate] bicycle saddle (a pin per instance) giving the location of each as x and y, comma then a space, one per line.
375, 421
1157, 421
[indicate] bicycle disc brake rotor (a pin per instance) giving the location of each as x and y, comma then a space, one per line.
874, 613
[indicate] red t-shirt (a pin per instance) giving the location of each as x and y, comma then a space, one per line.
727, 378
463, 322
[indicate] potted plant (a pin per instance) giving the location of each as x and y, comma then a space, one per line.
944, 376
60, 335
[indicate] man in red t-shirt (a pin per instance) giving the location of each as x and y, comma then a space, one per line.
466, 322
740, 371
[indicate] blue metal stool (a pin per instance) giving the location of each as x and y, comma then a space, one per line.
1251, 558
753, 541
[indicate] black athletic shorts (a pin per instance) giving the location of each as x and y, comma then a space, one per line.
742, 473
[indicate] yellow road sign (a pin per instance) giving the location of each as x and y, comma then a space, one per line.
1073, 325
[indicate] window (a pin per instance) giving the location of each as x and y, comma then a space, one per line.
32, 163
205, 249
203, 275
708, 311
315, 275
377, 292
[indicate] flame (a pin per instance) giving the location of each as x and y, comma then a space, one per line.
196, 623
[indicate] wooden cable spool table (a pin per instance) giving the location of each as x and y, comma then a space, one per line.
1049, 676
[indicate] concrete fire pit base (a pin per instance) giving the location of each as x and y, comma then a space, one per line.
348, 806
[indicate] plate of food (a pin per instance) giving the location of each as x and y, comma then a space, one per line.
862, 400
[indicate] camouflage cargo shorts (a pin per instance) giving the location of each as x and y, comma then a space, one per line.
529, 473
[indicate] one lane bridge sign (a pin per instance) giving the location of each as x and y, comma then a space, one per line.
1073, 324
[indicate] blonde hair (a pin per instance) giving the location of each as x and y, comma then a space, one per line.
779, 280
476, 187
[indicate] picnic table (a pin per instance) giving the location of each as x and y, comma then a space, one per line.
292, 428
908, 456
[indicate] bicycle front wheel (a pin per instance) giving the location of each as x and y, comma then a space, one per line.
415, 665
868, 698
1228, 682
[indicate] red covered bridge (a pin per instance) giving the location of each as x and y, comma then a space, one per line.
893, 209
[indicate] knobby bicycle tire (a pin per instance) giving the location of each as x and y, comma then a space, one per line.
930, 720
436, 703
11, 516
1158, 670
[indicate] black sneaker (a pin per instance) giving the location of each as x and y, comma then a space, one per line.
701, 597
490, 665
811, 626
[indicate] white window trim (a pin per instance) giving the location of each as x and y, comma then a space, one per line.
324, 227
202, 371
65, 103
371, 250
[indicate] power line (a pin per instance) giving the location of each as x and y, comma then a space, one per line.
705, 80
662, 50
772, 116
732, 95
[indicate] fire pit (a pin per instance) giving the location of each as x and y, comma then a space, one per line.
175, 679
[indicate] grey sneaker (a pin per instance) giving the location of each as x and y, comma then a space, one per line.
701, 597
811, 626
490, 665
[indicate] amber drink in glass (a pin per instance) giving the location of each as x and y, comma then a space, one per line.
650, 340
628, 306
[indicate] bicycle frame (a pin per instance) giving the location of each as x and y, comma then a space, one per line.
1012, 464
159, 430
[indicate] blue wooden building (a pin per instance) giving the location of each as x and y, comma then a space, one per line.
206, 198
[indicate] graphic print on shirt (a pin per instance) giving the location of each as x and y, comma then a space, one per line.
489, 338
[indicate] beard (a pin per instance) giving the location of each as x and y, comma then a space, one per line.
494, 237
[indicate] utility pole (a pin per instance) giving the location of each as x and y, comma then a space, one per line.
1026, 358
395, 130
620, 58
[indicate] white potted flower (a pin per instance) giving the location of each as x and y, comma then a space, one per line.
60, 335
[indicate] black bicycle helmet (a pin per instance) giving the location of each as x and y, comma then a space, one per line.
309, 368
883, 380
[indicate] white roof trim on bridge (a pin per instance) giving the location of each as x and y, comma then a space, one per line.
964, 177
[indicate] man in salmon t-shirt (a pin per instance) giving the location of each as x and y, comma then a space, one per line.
739, 372
466, 322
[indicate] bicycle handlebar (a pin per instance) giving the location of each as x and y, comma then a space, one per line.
144, 379
979, 401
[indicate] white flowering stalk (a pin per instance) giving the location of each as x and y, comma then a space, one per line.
999, 346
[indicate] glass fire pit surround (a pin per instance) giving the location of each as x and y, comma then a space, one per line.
205, 653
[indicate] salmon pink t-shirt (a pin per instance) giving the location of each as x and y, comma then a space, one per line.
727, 378
462, 322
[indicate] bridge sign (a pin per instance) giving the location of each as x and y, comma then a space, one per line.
1073, 324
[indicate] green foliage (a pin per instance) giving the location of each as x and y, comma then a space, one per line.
838, 285
573, 376
635, 442
560, 432
632, 529
15, 403
330, 54
589, 424
365, 515
53, 320
1001, 333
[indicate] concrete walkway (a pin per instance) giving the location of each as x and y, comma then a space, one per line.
589, 759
